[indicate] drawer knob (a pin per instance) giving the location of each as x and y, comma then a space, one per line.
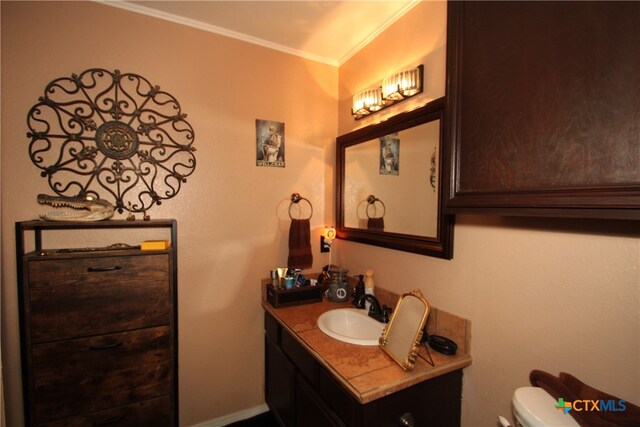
98, 269
407, 420
108, 346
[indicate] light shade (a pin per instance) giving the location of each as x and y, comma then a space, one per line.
366, 102
395, 88
402, 84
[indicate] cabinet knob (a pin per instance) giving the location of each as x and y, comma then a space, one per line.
407, 420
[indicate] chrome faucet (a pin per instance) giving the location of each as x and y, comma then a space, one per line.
380, 313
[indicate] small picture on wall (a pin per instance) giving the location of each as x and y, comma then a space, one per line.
390, 155
269, 143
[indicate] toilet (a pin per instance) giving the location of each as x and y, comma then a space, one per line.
534, 407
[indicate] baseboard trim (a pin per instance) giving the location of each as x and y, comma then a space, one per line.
237, 416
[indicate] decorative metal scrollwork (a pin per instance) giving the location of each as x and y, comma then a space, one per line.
103, 130
434, 160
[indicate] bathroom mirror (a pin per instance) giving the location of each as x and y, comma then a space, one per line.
389, 178
401, 337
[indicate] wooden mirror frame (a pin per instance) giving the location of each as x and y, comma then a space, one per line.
440, 246
402, 335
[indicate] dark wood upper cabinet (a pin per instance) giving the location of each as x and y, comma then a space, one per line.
543, 105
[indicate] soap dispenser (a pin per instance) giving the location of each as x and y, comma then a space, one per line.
368, 286
359, 292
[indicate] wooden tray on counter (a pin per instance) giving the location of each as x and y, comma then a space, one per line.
287, 297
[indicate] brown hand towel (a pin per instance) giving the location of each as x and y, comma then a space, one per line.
300, 255
375, 223
628, 418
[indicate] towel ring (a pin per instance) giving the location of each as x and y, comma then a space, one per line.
295, 199
371, 201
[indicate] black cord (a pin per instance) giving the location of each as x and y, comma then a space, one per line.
430, 361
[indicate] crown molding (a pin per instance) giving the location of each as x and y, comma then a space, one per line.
132, 7
137, 8
401, 12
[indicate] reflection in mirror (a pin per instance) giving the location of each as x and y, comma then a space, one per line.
401, 337
389, 183
379, 167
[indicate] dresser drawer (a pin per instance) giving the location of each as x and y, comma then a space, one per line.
86, 375
96, 295
154, 412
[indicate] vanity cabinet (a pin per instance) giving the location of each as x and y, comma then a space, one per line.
98, 332
542, 109
301, 392
280, 381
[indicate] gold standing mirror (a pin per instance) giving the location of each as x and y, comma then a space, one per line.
401, 337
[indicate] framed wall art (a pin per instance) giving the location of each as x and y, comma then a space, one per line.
270, 143
390, 154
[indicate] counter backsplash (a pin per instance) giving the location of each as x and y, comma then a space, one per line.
440, 322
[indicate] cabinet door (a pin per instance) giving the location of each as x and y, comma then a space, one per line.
311, 411
85, 375
154, 412
543, 100
432, 403
87, 296
279, 383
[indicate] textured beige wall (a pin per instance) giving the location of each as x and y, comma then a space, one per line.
417, 38
549, 294
232, 216
556, 295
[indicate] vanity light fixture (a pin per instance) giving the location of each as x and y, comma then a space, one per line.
396, 87
366, 102
327, 238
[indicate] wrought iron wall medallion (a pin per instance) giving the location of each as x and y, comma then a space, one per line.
112, 136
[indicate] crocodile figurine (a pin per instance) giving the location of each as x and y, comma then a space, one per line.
98, 209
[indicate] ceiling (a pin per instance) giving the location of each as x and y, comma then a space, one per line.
324, 31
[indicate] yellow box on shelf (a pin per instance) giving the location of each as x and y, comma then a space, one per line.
154, 245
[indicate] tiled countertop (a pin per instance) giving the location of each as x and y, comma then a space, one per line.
367, 371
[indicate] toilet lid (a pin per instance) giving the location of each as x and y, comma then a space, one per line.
534, 407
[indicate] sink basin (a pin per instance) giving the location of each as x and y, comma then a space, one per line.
351, 325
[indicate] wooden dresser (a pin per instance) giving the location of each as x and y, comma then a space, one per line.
98, 330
